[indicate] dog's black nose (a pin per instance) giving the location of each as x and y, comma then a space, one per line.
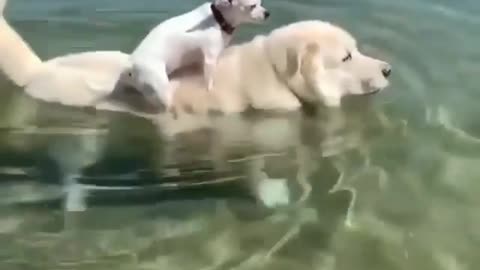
267, 14
386, 71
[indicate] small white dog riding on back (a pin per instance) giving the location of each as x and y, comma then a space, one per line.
187, 39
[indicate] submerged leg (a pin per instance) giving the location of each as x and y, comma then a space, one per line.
152, 81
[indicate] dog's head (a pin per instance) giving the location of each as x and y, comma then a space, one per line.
243, 11
337, 53
327, 60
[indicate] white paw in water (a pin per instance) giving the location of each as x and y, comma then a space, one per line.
273, 192
75, 197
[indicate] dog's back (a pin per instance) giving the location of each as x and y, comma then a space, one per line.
179, 24
172, 35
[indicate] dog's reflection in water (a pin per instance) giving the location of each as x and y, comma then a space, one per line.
269, 154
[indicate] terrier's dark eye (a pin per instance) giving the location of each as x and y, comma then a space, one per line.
347, 58
252, 6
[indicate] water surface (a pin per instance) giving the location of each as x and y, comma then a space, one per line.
394, 179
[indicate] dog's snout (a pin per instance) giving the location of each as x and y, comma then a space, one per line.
386, 70
266, 14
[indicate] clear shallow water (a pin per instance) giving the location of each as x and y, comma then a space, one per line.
394, 180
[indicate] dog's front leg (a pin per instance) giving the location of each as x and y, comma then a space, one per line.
210, 63
209, 69
156, 83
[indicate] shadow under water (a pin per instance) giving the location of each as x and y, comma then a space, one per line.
103, 176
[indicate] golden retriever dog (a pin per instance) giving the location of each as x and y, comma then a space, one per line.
311, 61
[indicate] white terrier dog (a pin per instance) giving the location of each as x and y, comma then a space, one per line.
183, 40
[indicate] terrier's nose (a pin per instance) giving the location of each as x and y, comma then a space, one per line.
267, 14
386, 71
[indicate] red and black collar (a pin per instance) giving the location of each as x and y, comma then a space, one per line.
224, 25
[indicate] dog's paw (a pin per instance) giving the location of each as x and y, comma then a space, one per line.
168, 99
210, 85
332, 101
274, 192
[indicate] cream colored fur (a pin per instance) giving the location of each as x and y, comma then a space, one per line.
76, 79
17, 60
297, 62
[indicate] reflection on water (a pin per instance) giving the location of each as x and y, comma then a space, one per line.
387, 183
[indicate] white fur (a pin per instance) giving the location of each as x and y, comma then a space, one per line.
186, 39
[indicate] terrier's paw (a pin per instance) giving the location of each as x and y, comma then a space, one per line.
168, 99
332, 101
210, 85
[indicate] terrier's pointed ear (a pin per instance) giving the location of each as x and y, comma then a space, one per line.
222, 3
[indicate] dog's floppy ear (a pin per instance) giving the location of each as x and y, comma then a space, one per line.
319, 85
302, 68
283, 57
310, 65
292, 62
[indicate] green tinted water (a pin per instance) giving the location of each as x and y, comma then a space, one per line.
395, 181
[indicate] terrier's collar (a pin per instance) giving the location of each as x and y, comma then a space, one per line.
224, 25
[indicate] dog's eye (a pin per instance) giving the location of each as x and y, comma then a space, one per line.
252, 6
347, 58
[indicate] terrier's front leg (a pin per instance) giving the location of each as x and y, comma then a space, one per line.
157, 84
209, 70
210, 63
